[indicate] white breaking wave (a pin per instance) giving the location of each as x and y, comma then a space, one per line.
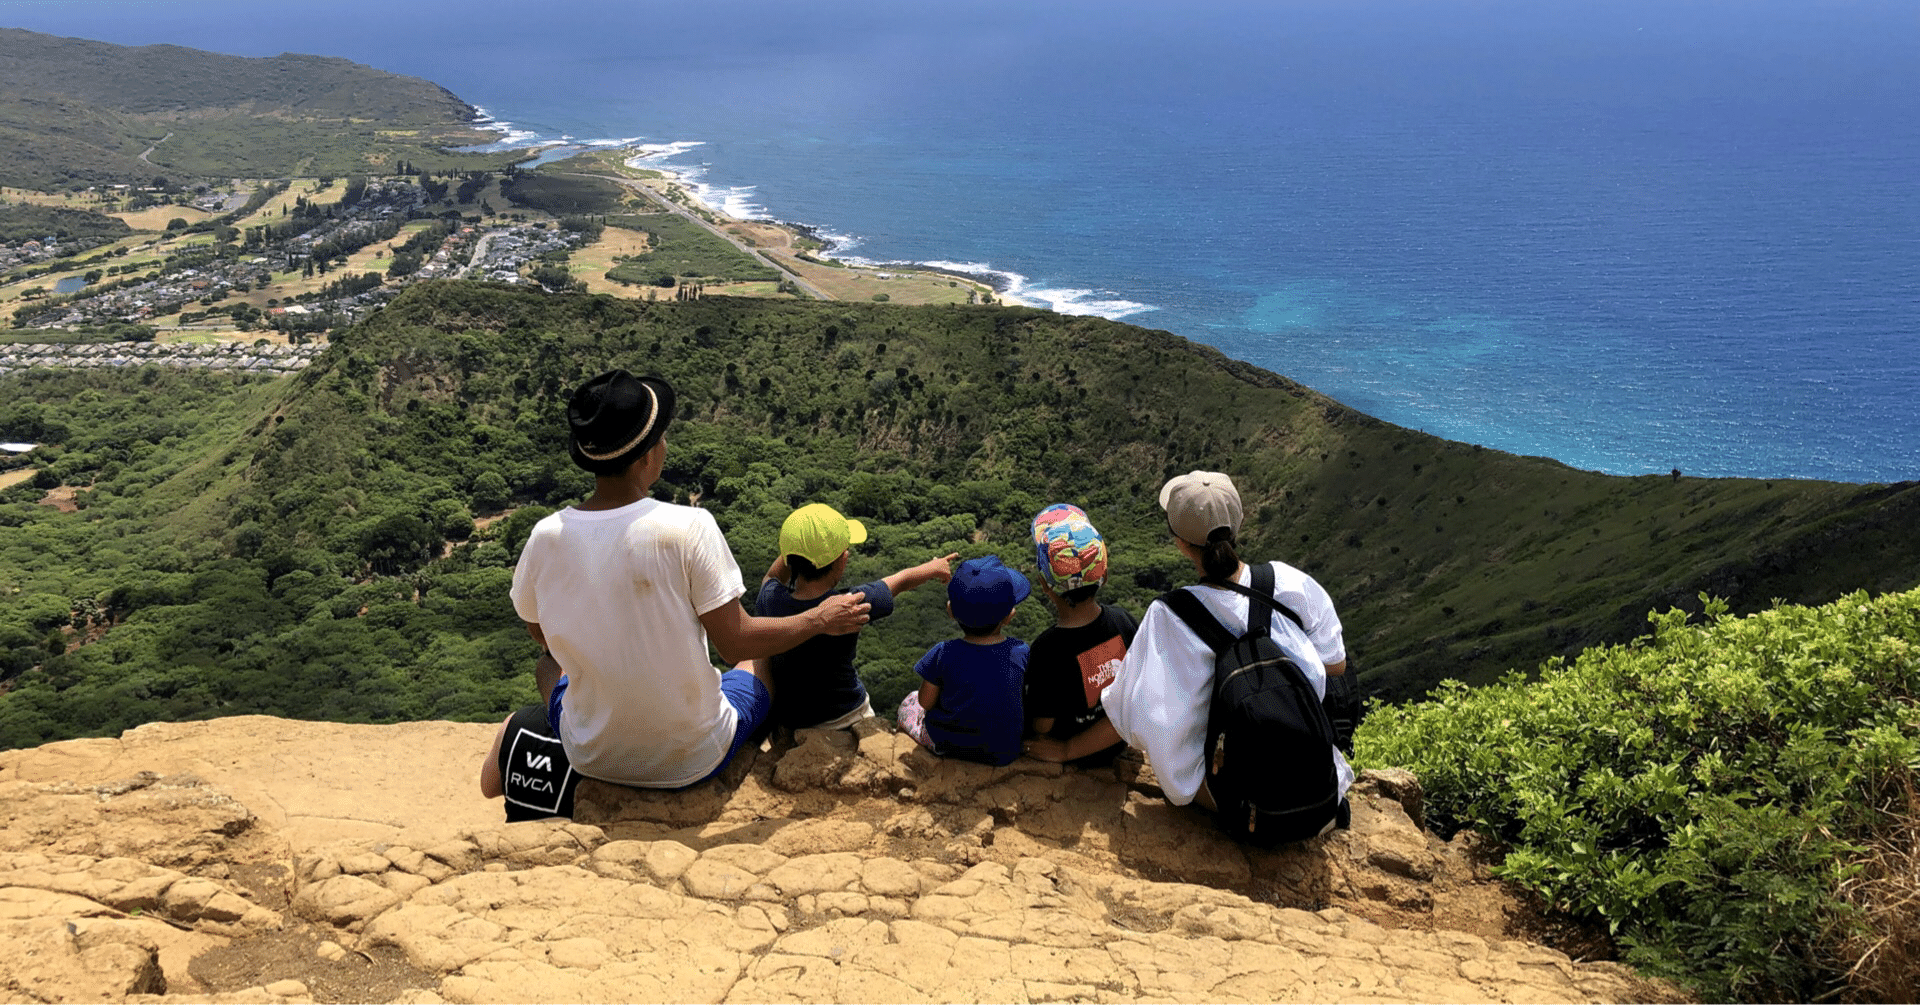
651, 154
1013, 288
835, 243
510, 135
1097, 303
998, 278
732, 200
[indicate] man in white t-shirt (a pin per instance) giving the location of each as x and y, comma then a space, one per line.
625, 592
1160, 699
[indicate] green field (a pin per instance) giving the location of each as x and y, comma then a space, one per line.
683, 249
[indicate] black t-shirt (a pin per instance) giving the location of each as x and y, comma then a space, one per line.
534, 768
1069, 666
815, 682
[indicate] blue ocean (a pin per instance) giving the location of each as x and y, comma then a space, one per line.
1631, 236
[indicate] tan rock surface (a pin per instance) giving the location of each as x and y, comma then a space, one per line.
310, 782
262, 860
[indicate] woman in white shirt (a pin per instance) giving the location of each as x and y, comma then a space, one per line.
1160, 700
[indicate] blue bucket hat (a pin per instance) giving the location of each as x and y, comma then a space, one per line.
983, 590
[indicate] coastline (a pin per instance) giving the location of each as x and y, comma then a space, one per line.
1432, 332
804, 251
733, 207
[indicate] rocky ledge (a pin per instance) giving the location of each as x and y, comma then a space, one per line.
258, 859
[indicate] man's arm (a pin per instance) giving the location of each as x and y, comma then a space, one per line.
546, 669
1336, 669
739, 636
491, 784
926, 572
777, 572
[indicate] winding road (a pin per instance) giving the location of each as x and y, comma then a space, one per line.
156, 145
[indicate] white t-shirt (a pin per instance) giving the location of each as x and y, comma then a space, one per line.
1160, 698
619, 594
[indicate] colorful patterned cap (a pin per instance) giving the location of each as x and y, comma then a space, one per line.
1070, 553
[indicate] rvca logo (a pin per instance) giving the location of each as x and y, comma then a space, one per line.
530, 783
539, 762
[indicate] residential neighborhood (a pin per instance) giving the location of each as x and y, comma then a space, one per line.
259, 357
340, 258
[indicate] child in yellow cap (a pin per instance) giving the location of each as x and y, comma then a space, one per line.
815, 684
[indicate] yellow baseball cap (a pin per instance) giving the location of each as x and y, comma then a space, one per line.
818, 533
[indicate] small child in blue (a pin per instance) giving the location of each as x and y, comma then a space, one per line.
970, 704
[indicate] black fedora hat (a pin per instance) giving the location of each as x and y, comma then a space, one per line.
616, 417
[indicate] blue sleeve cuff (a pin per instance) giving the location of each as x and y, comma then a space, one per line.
879, 596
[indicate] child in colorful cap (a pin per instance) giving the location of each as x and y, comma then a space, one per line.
815, 684
1072, 661
969, 705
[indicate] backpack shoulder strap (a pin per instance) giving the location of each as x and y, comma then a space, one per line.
1189, 609
1261, 591
1260, 616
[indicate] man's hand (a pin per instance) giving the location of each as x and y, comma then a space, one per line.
843, 614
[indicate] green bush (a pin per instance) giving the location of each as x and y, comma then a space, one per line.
1705, 791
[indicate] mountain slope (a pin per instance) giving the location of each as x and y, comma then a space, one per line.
74, 111
954, 425
308, 548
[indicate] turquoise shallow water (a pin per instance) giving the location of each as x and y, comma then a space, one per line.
1633, 237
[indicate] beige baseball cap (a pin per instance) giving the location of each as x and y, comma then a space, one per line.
1200, 502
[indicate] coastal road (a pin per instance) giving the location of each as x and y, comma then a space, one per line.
745, 248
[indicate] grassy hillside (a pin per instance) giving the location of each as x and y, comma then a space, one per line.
76, 112
1447, 560
26, 222
944, 428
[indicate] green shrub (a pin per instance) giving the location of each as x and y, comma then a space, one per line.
1706, 791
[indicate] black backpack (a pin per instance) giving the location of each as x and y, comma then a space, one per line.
1269, 748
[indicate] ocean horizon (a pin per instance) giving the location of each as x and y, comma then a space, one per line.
1637, 238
